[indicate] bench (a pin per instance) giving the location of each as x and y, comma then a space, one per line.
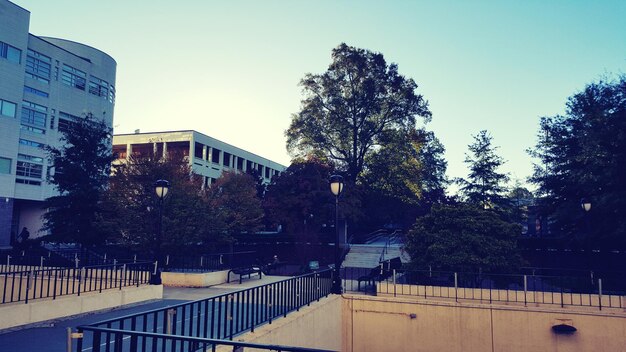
381, 272
245, 271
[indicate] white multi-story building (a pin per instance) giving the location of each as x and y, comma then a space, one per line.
45, 83
207, 156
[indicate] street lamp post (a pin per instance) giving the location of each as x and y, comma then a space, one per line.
161, 187
336, 187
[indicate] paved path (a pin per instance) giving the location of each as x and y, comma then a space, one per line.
52, 335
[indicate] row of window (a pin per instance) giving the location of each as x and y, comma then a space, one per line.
10, 53
27, 166
232, 161
39, 67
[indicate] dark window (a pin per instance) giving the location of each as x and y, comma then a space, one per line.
142, 150
28, 182
31, 143
226, 159
98, 87
33, 114
198, 150
29, 169
178, 149
120, 151
240, 163
66, 121
10, 53
34, 91
267, 172
73, 77
215, 155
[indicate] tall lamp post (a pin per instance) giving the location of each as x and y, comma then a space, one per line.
161, 187
585, 204
336, 187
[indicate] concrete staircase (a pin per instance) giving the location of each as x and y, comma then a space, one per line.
363, 256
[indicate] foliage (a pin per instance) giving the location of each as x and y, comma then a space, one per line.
233, 199
132, 207
484, 184
81, 171
350, 110
300, 200
582, 155
433, 169
463, 237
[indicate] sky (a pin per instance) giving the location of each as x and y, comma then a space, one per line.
230, 69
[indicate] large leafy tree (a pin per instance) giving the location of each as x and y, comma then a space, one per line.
485, 185
233, 197
132, 207
348, 111
464, 237
582, 155
81, 170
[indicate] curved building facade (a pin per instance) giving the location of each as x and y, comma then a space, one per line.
45, 84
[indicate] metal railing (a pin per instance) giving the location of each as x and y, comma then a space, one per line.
126, 340
36, 283
209, 262
186, 326
527, 289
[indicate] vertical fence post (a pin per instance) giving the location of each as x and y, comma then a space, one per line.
600, 293
394, 282
456, 287
525, 289
76, 260
69, 339
123, 278
170, 319
135, 258
167, 260
8, 262
156, 263
41, 263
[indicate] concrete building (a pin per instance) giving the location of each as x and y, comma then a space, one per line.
207, 156
45, 83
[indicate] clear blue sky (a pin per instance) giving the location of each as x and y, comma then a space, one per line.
231, 69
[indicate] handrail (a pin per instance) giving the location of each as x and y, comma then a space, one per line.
205, 341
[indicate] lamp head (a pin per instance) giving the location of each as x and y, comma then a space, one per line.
336, 185
161, 187
585, 204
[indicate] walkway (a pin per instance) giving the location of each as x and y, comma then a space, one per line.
52, 335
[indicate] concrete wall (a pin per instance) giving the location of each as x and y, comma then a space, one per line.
195, 279
316, 326
16, 314
410, 324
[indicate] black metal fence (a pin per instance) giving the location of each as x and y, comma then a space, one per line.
592, 291
36, 283
199, 324
209, 262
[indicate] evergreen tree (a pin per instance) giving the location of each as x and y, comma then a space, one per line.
484, 185
80, 176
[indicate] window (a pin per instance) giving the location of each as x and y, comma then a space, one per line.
215, 155
33, 115
27, 157
7, 108
38, 66
98, 87
267, 172
28, 182
73, 77
226, 159
240, 163
33, 129
111, 94
31, 143
197, 150
29, 169
5, 165
34, 91
10, 53
65, 121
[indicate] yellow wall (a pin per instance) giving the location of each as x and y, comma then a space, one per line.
410, 324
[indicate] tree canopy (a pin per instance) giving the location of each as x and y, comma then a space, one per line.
582, 155
484, 185
81, 171
463, 237
348, 111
